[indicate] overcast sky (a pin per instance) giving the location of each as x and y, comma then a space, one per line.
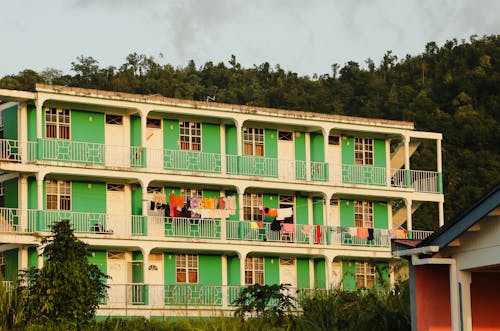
305, 36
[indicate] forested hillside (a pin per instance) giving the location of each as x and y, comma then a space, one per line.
453, 89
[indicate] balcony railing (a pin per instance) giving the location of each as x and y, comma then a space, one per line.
192, 161
10, 220
10, 150
192, 228
81, 222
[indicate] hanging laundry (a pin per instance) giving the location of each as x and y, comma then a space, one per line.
173, 211
222, 203
401, 234
231, 201
384, 232
193, 202
282, 213
362, 233
353, 232
254, 225
288, 228
276, 226
209, 203
272, 212
167, 211
306, 229
263, 211
152, 205
176, 201
370, 234
318, 234
260, 224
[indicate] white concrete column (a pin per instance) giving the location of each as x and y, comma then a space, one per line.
239, 129
222, 148
312, 283
223, 221
39, 186
389, 215
147, 273
145, 207
441, 213
39, 250
144, 126
23, 202
240, 206
454, 298
308, 155
465, 279
326, 209
39, 118
328, 276
409, 224
22, 131
326, 133
407, 161
22, 256
242, 256
225, 292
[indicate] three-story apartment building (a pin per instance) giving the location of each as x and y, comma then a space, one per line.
183, 202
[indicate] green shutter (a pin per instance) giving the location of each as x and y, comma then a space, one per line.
210, 140
346, 213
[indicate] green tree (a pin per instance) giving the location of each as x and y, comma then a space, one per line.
268, 301
67, 289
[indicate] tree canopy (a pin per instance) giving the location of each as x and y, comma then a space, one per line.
453, 89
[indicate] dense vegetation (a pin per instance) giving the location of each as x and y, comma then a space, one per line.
453, 89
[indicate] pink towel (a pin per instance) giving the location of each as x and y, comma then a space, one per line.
288, 228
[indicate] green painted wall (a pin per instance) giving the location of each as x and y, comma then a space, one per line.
383, 274
302, 210
300, 147
172, 191
11, 193
348, 150
137, 267
137, 200
210, 270
211, 194
32, 257
270, 143
346, 213
11, 264
88, 197
270, 200
319, 273
348, 275
233, 270
31, 123
32, 193
87, 126
171, 134
271, 270
169, 269
100, 259
303, 279
317, 150
210, 138
318, 216
380, 216
9, 118
236, 216
135, 131
231, 140
379, 153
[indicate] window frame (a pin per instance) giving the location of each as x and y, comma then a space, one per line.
59, 194
363, 151
366, 274
251, 206
187, 265
58, 123
254, 270
191, 193
363, 214
190, 136
253, 142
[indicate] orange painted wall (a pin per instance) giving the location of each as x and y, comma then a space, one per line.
433, 297
485, 301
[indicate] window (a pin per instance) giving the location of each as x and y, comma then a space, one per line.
333, 140
57, 123
186, 266
285, 136
363, 214
251, 207
58, 195
190, 136
153, 123
363, 151
365, 275
114, 119
254, 270
286, 202
253, 140
191, 193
